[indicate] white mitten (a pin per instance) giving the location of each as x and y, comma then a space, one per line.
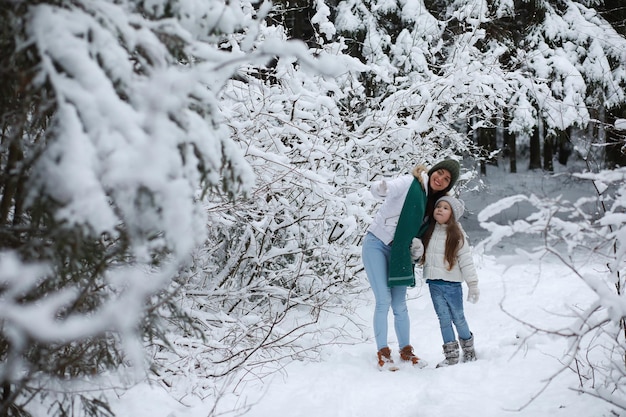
382, 188
474, 293
379, 189
417, 249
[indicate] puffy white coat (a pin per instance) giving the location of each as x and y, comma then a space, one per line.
394, 192
435, 265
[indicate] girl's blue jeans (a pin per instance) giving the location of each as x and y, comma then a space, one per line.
376, 261
447, 298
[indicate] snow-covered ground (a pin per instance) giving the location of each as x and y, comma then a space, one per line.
510, 377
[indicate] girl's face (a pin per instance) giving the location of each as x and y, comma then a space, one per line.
442, 212
440, 180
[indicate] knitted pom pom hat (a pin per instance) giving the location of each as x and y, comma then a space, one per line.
458, 207
452, 166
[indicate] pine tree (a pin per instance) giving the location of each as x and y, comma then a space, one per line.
108, 132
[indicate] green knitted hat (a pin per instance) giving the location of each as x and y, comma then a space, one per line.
452, 166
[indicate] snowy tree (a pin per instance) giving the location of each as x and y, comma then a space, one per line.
582, 59
553, 65
272, 265
112, 136
563, 64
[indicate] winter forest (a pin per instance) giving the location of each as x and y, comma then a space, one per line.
183, 182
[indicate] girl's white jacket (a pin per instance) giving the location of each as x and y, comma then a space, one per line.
394, 192
435, 265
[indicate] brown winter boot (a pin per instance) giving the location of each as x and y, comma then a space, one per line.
469, 354
451, 350
407, 355
385, 361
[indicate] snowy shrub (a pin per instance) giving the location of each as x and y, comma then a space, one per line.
577, 232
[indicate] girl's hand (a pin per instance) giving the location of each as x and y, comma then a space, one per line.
417, 249
474, 293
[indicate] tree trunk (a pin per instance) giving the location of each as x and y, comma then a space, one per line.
564, 144
512, 151
482, 144
487, 141
548, 153
535, 151
491, 138
615, 140
509, 148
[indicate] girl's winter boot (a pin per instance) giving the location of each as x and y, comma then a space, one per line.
451, 351
469, 354
384, 360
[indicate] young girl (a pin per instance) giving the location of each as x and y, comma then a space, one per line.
448, 262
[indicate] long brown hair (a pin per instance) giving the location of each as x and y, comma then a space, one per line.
432, 198
454, 240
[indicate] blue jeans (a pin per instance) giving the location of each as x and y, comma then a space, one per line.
376, 261
447, 299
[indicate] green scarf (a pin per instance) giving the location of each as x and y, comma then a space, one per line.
409, 225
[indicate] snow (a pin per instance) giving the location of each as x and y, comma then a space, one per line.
512, 369
520, 370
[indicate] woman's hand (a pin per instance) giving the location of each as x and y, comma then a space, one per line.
379, 189
421, 173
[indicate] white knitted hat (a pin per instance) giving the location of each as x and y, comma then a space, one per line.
458, 207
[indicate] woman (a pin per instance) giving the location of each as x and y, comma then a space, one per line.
409, 201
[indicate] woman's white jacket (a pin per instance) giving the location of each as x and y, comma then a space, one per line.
394, 193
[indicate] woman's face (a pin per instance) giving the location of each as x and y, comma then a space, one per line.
440, 179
